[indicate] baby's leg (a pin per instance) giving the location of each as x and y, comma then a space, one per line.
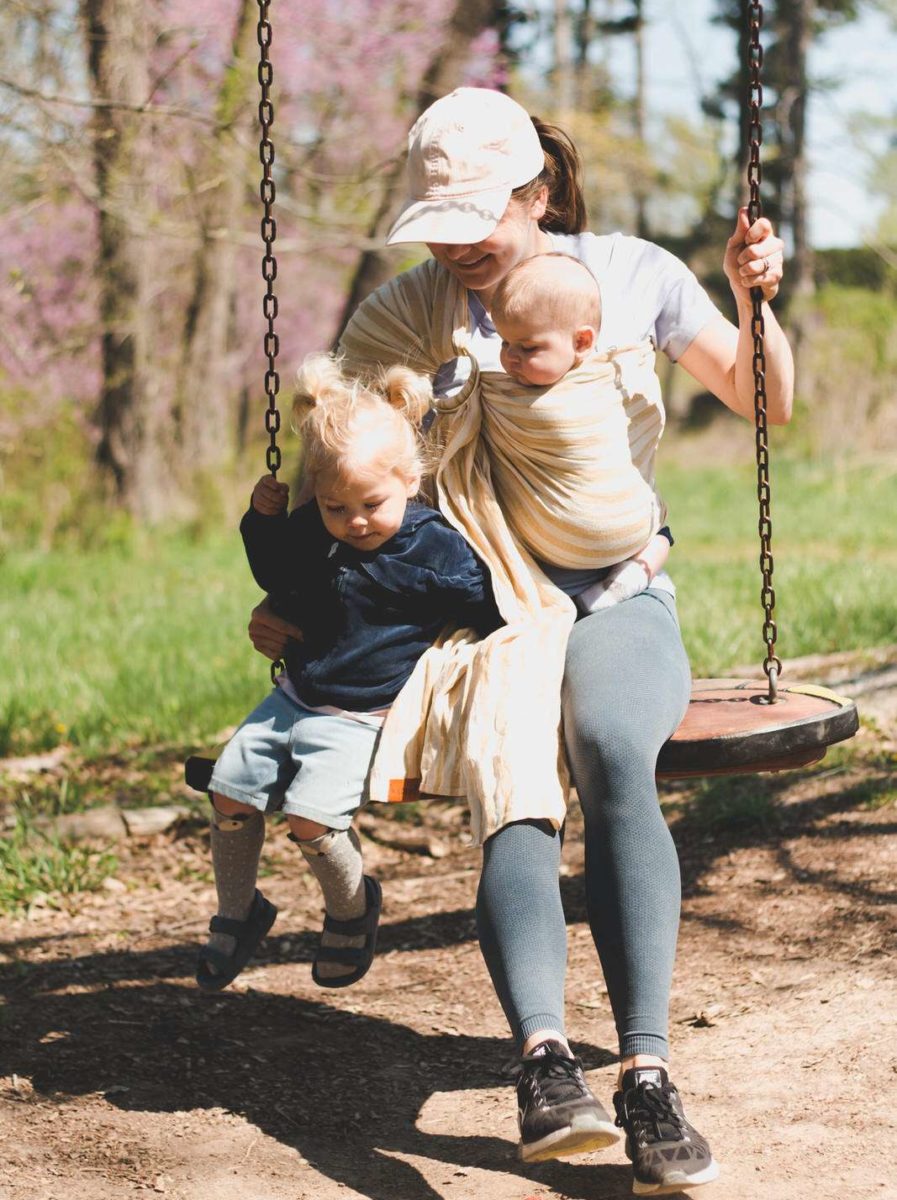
237, 837
252, 770
333, 756
335, 859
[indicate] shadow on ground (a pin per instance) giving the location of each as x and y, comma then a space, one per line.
343, 1089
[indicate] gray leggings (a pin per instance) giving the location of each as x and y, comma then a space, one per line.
626, 688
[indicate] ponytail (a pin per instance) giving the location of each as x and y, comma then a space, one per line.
562, 175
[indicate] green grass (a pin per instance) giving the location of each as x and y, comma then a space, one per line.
135, 646
835, 557
35, 864
146, 643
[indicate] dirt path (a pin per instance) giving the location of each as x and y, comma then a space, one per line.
120, 1079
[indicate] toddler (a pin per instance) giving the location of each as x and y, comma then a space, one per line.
547, 312
371, 578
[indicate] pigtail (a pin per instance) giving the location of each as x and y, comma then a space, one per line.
334, 415
319, 381
408, 392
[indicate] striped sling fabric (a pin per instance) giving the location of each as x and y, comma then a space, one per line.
564, 474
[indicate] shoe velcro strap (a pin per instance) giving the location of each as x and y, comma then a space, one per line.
350, 955
228, 925
217, 958
352, 926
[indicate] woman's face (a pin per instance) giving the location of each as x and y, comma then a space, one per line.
516, 237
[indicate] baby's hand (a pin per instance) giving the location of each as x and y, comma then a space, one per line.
622, 582
270, 497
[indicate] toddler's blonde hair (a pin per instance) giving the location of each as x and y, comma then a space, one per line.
554, 287
344, 422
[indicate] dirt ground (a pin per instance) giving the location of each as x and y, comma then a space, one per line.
119, 1078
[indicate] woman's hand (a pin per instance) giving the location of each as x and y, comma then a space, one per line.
270, 497
269, 633
754, 257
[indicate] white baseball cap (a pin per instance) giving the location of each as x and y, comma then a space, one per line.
466, 154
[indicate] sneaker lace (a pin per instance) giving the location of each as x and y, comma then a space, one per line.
650, 1111
558, 1076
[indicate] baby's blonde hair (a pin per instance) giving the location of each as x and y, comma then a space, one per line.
554, 287
344, 422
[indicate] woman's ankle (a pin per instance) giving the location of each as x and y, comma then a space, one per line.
544, 1035
640, 1060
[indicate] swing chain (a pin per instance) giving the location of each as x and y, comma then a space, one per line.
268, 192
772, 664
269, 233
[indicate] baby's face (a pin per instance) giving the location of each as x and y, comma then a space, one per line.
534, 355
364, 506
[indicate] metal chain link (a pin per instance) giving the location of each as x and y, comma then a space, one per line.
268, 192
772, 664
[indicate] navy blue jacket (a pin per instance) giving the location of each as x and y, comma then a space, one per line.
367, 615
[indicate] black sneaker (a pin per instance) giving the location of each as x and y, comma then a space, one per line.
558, 1114
667, 1154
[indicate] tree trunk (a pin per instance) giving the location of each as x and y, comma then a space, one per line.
205, 407
585, 32
640, 113
742, 82
792, 121
469, 19
131, 412
562, 69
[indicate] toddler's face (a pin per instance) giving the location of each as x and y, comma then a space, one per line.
365, 506
534, 355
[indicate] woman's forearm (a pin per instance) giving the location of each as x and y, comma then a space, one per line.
779, 367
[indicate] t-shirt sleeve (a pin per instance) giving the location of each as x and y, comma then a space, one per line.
645, 291
684, 306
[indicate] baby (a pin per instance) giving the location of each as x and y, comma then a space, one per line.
547, 311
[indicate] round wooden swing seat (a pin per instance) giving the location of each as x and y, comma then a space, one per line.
731, 728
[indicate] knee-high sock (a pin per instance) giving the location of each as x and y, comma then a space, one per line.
336, 862
236, 848
521, 927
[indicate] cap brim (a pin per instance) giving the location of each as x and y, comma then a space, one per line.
461, 220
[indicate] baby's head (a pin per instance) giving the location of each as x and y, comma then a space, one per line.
547, 311
362, 451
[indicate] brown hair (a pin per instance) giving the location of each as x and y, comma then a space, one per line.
562, 175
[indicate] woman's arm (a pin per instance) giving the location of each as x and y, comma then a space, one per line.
721, 357
269, 633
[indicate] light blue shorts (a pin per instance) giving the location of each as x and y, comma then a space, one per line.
308, 764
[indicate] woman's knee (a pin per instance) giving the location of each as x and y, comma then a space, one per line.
616, 740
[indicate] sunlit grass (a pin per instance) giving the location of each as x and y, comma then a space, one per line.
835, 555
36, 864
146, 643
133, 647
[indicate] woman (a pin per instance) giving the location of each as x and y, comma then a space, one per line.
489, 188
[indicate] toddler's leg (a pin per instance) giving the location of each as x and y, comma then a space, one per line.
237, 834
335, 859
